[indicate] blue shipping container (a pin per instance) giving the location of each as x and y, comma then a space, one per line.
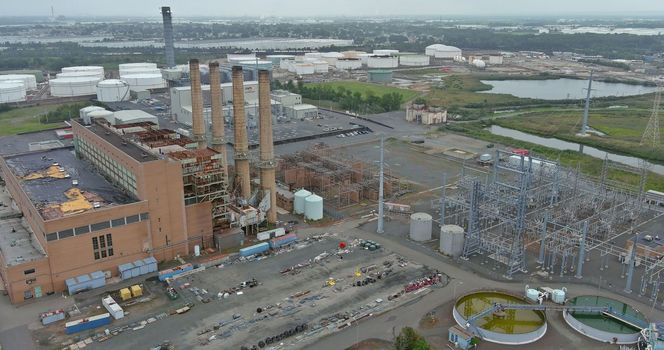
152, 263
283, 240
87, 323
254, 249
163, 275
125, 270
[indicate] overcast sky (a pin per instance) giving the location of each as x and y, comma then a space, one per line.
330, 7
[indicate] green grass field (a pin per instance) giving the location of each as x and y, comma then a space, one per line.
378, 90
26, 119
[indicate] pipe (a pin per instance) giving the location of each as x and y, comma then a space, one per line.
241, 145
197, 122
267, 163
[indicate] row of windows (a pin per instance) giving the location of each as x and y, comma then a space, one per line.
97, 227
102, 246
117, 173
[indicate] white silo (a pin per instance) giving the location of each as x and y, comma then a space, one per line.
81, 86
144, 81
12, 91
298, 201
451, 240
420, 227
29, 80
313, 207
112, 90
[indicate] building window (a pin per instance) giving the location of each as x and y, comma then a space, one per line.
132, 219
102, 246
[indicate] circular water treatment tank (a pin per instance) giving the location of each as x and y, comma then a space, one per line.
298, 201
81, 86
420, 227
510, 327
12, 91
29, 80
451, 240
613, 328
112, 90
313, 207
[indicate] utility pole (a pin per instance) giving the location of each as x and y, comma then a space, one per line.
380, 188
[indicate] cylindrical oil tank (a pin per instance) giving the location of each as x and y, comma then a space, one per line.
364, 57
385, 61
82, 74
352, 54
133, 71
414, 60
349, 63
12, 91
139, 82
298, 200
29, 80
313, 207
103, 114
380, 76
89, 69
112, 90
321, 66
64, 87
558, 296
420, 227
451, 240
138, 65
385, 52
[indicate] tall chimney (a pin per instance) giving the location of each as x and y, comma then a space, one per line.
240, 134
217, 118
197, 122
168, 36
266, 163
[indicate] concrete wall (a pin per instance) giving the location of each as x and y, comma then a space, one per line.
199, 225
17, 282
597, 334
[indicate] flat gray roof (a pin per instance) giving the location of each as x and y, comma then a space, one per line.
22, 143
46, 190
16, 246
127, 147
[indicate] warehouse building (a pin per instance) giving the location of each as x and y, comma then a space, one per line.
120, 194
301, 111
181, 99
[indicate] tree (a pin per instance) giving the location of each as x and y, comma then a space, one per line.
408, 339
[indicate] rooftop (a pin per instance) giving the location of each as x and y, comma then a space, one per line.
48, 178
127, 147
33, 141
15, 243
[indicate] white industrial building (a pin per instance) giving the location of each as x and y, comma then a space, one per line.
29, 80
112, 90
12, 91
414, 60
286, 98
301, 111
181, 98
382, 61
443, 51
495, 59
123, 117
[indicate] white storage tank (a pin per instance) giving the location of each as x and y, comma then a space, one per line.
29, 80
112, 90
139, 65
12, 91
83, 74
383, 61
92, 70
349, 63
558, 295
414, 60
139, 82
303, 68
364, 57
81, 86
321, 66
133, 71
102, 114
420, 227
298, 201
352, 54
479, 64
385, 52
451, 240
313, 207
532, 294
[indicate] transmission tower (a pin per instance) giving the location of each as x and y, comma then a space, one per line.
651, 134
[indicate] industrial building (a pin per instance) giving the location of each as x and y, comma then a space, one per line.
424, 115
181, 99
301, 111
443, 51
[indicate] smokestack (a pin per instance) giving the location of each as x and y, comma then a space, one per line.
197, 122
240, 135
267, 163
217, 118
168, 36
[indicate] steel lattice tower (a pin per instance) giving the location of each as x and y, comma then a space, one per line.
651, 134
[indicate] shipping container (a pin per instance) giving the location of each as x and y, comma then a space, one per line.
163, 275
125, 270
112, 307
52, 316
254, 249
151, 263
143, 268
265, 235
283, 240
87, 323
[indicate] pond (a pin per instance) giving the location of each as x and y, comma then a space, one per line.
562, 89
565, 145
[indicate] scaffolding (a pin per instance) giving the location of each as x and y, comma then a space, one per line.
339, 178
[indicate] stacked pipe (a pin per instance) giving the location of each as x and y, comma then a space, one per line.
217, 118
267, 163
240, 135
197, 122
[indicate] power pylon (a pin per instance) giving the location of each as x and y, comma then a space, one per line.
651, 134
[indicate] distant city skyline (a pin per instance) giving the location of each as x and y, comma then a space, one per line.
319, 8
